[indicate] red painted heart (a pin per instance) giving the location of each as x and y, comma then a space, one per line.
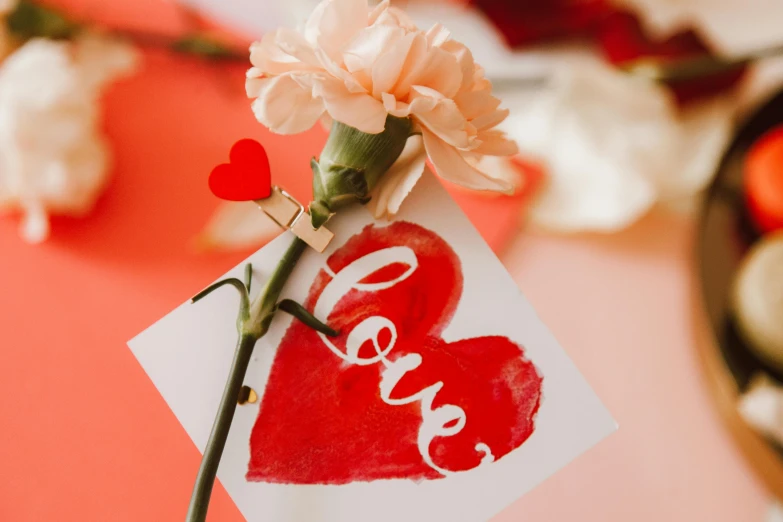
362, 409
246, 177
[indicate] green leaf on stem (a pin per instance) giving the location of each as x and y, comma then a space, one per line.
248, 276
244, 305
301, 313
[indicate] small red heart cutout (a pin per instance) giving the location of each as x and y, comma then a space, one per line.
246, 177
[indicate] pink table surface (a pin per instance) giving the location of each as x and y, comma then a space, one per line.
86, 436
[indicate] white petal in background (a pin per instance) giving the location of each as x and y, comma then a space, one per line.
612, 145
762, 407
238, 226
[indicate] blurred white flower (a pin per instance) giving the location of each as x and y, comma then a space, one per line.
52, 156
238, 226
612, 145
762, 407
775, 513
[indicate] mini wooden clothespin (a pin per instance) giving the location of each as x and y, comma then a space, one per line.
291, 215
247, 177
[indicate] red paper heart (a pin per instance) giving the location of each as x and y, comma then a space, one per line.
246, 177
323, 420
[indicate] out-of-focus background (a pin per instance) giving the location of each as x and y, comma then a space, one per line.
646, 233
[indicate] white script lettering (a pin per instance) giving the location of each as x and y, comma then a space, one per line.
444, 421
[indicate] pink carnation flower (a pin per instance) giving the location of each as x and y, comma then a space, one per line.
358, 65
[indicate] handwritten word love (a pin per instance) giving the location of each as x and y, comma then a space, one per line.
444, 421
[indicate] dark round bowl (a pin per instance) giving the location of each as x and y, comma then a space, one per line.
725, 234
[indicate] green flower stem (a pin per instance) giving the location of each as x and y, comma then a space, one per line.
205, 480
252, 326
350, 165
263, 309
29, 19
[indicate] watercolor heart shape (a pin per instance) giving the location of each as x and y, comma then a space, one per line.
246, 177
389, 398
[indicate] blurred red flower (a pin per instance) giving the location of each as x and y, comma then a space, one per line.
623, 40
619, 34
527, 21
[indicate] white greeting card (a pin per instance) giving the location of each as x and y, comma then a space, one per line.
444, 398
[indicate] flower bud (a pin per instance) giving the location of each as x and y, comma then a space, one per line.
351, 164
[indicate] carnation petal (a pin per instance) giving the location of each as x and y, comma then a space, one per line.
466, 62
295, 45
388, 67
396, 17
312, 29
475, 103
419, 104
443, 118
417, 56
440, 71
394, 107
438, 35
453, 167
269, 58
369, 44
377, 12
357, 110
326, 121
498, 167
495, 143
398, 182
490, 119
334, 23
286, 106
350, 82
